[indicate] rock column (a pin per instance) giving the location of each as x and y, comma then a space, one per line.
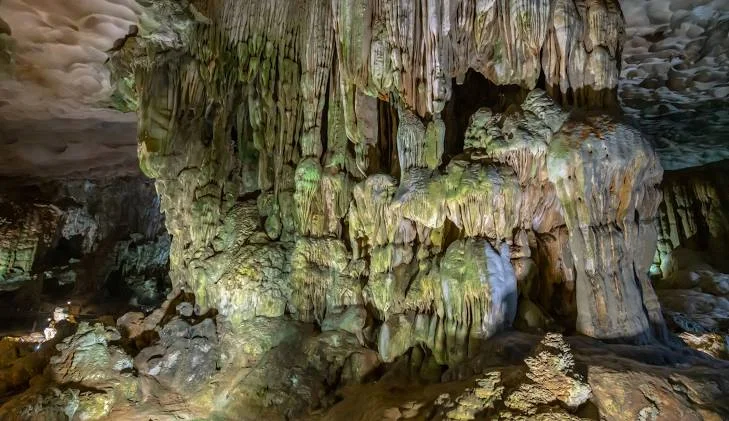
607, 178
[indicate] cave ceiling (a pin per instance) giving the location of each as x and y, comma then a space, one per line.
675, 77
55, 89
60, 116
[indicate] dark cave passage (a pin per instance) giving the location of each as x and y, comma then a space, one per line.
95, 246
384, 159
473, 93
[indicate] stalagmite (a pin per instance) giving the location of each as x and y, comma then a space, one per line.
608, 187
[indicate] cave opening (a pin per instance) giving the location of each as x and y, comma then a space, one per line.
474, 92
67, 249
115, 289
59, 270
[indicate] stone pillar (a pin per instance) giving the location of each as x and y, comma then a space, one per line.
607, 178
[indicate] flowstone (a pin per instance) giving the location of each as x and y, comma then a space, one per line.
363, 196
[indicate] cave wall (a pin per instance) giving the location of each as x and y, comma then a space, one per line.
269, 131
691, 265
695, 215
25, 232
63, 236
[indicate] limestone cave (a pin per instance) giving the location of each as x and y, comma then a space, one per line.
364, 210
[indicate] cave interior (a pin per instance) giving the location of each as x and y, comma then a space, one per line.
364, 210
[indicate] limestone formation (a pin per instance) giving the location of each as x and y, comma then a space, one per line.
360, 190
88, 362
693, 215
86, 359
25, 234
690, 267
214, 139
83, 234
185, 356
607, 177
552, 371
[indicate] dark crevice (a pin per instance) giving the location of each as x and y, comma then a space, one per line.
473, 93
209, 125
451, 233
66, 249
234, 138
383, 158
324, 121
587, 98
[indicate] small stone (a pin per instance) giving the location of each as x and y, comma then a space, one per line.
410, 409
185, 309
132, 324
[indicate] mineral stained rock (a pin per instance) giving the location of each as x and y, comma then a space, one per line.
607, 177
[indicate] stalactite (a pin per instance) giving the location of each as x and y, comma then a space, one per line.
365, 204
308, 177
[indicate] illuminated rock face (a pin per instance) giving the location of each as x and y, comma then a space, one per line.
308, 159
607, 178
25, 232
